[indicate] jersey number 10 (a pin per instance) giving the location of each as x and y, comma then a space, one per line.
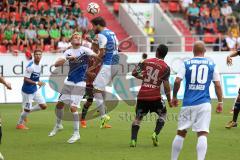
199, 74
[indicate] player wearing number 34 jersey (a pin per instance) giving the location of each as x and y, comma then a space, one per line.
153, 72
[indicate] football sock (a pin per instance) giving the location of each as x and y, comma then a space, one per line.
177, 146
59, 114
76, 122
135, 129
159, 125
36, 108
22, 117
236, 111
0, 133
201, 147
84, 111
100, 104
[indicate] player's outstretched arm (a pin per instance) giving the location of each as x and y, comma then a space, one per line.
28, 80
176, 88
6, 84
233, 54
167, 90
60, 62
138, 71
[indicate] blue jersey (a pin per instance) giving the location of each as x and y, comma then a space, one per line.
78, 68
33, 72
198, 73
108, 40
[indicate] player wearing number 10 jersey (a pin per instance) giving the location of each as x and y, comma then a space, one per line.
153, 72
198, 72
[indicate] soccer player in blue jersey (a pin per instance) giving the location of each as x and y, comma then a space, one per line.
74, 85
198, 73
236, 109
108, 46
30, 89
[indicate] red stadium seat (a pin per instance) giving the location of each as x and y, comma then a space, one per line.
173, 7
43, 4
209, 38
47, 48
34, 4
3, 49
116, 7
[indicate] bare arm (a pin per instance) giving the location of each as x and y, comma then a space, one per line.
233, 54
60, 62
6, 84
176, 88
167, 90
138, 71
218, 90
28, 80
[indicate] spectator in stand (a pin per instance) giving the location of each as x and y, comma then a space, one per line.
206, 25
21, 38
25, 23
23, 6
67, 32
221, 26
43, 36
3, 20
2, 5
231, 41
236, 10
63, 45
8, 37
193, 14
76, 10
234, 29
227, 12
215, 13
12, 6
31, 12
204, 10
184, 6
150, 32
220, 44
31, 35
71, 20
55, 35
82, 21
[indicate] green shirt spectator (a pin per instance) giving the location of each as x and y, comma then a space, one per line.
31, 11
67, 32
51, 12
3, 21
54, 32
8, 34
76, 11
42, 32
15, 23
21, 35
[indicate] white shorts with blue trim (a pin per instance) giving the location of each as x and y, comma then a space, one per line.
28, 99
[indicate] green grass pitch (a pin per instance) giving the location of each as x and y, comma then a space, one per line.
105, 144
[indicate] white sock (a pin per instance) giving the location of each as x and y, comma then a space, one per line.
76, 122
100, 104
36, 108
59, 114
177, 146
201, 147
22, 117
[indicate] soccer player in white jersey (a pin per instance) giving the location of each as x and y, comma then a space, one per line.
108, 47
74, 85
198, 72
30, 89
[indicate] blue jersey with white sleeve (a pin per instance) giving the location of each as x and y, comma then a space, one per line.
33, 72
108, 40
198, 72
78, 68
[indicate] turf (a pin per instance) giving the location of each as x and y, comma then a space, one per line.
99, 144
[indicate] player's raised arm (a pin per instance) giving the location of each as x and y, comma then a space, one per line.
233, 54
138, 71
5, 83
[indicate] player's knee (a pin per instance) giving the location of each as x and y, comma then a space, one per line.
202, 133
60, 105
182, 133
26, 110
43, 106
73, 109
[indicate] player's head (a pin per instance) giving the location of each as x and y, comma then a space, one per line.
199, 48
144, 56
161, 51
76, 39
98, 24
37, 55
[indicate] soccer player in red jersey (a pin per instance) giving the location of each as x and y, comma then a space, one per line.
153, 72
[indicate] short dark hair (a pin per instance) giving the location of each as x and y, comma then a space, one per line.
99, 21
37, 50
161, 51
144, 56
